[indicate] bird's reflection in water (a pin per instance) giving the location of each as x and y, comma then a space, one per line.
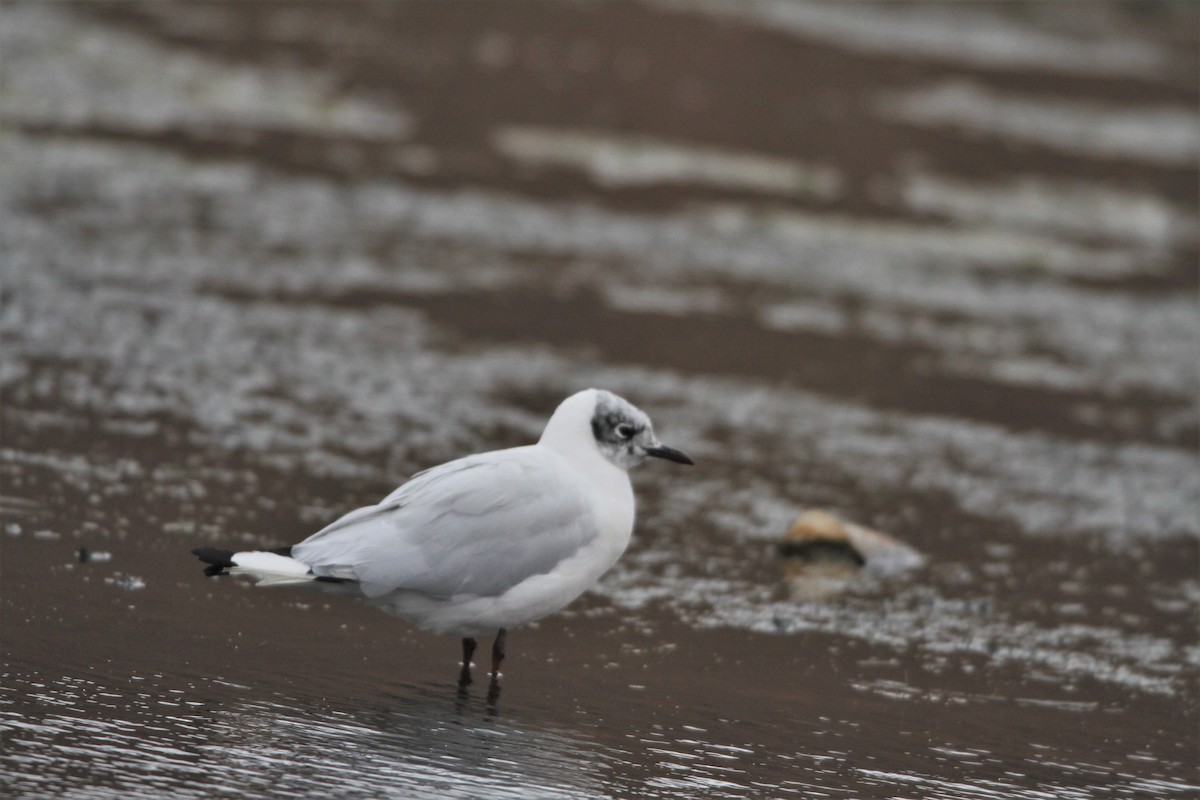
401, 746
463, 695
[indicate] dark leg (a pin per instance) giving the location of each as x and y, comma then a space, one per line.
497, 652
464, 677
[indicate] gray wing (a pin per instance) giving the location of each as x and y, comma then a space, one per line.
479, 525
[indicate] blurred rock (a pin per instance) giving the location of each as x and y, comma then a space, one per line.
823, 555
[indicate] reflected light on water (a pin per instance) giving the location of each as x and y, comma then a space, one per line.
148, 738
81, 737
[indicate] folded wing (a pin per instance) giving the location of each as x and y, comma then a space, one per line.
476, 526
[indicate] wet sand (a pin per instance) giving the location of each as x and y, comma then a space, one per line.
932, 267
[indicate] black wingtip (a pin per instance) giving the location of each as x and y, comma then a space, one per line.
218, 560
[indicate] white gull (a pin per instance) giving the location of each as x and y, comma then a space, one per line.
486, 542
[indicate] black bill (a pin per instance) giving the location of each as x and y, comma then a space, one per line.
670, 454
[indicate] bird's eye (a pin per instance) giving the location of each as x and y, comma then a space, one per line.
625, 431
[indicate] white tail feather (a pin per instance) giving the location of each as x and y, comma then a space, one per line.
271, 569
270, 580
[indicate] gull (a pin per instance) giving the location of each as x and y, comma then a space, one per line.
486, 542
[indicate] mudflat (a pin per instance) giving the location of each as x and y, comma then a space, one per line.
931, 267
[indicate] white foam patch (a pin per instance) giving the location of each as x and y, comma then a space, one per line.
67, 70
615, 160
962, 33
1167, 135
1032, 203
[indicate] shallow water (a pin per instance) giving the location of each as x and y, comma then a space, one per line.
261, 262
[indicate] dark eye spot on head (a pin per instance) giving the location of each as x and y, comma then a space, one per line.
616, 423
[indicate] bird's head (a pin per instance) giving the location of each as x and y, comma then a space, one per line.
619, 430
